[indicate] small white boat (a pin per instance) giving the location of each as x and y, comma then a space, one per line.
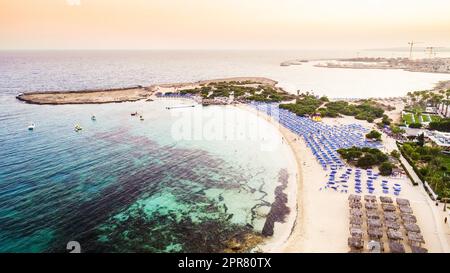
179, 106
93, 118
31, 127
141, 118
78, 128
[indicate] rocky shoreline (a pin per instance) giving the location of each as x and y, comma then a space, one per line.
126, 94
99, 96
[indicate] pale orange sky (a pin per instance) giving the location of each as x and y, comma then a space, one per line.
222, 24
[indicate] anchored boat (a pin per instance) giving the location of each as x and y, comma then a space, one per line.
179, 106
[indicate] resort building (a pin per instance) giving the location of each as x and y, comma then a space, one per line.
412, 132
439, 138
431, 110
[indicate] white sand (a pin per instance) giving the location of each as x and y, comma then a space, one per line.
321, 223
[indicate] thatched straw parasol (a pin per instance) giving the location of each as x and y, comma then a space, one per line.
408, 218
394, 234
418, 249
392, 225
402, 202
396, 247
386, 199
372, 214
354, 197
370, 198
369, 205
375, 232
374, 223
355, 205
356, 212
405, 209
355, 220
410, 227
355, 243
390, 216
388, 207
415, 238
356, 232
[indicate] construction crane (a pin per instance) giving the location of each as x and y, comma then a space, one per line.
431, 51
411, 45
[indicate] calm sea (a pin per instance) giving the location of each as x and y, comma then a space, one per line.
125, 185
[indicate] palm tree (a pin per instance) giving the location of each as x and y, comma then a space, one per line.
447, 101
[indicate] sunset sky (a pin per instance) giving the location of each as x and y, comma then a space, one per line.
222, 24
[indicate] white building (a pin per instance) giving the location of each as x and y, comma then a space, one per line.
439, 138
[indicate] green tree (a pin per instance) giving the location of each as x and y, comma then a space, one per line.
374, 135
386, 168
395, 154
397, 130
366, 161
416, 125
421, 140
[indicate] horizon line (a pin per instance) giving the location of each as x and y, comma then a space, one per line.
208, 49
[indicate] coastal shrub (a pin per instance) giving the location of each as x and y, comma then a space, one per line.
442, 125
415, 156
366, 161
380, 156
374, 135
430, 164
305, 105
350, 153
363, 157
386, 168
397, 130
371, 109
421, 140
386, 120
264, 93
415, 125
426, 158
324, 112
308, 104
324, 99
424, 171
395, 154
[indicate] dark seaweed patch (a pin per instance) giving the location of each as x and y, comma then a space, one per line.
279, 209
185, 173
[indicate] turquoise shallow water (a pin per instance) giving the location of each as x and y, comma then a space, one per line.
124, 185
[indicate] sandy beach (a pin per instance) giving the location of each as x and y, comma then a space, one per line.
321, 216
